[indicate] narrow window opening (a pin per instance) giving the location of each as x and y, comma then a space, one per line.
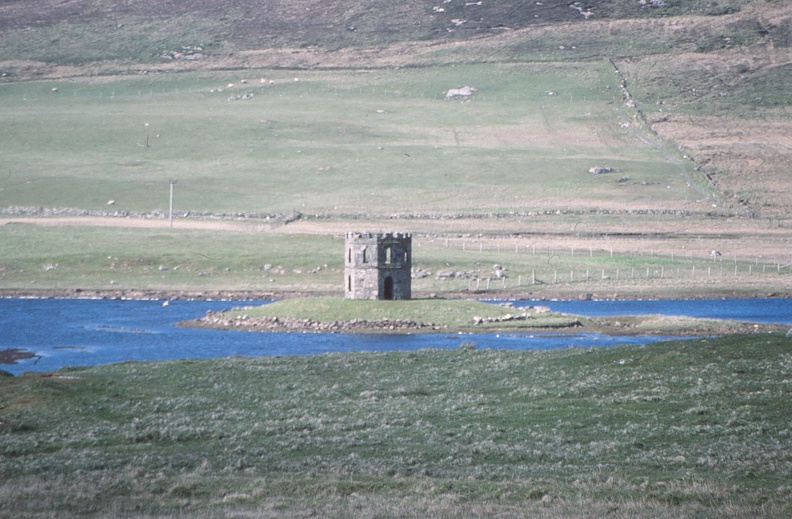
365, 255
388, 255
349, 283
349, 256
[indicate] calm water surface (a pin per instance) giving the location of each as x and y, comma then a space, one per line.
81, 332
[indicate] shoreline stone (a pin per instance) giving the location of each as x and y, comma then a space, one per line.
267, 323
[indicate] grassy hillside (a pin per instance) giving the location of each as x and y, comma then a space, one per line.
83, 31
341, 142
673, 430
286, 111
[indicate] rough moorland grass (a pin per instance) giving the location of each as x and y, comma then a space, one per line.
142, 32
675, 429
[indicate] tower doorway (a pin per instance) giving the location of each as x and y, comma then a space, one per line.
388, 289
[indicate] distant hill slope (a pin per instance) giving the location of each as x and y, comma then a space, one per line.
713, 76
79, 31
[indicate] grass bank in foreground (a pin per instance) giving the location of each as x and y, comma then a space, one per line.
675, 429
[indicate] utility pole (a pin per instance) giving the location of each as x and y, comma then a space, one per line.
170, 212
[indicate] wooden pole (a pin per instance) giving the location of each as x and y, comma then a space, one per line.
170, 211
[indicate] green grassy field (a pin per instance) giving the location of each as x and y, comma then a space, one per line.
91, 258
376, 142
693, 428
35, 257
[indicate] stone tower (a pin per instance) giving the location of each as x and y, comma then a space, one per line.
378, 266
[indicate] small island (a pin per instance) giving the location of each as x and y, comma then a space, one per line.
340, 315
378, 299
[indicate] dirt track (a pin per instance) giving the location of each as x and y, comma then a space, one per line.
137, 223
740, 237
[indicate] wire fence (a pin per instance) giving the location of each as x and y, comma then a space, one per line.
540, 264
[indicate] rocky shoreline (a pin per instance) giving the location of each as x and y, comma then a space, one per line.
262, 295
217, 320
191, 295
623, 325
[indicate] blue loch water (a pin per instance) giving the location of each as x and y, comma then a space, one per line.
81, 332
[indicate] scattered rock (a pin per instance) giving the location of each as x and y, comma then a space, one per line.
446, 274
651, 3
188, 53
464, 91
501, 319
242, 97
220, 320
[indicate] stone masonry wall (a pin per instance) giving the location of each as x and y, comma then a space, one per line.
378, 266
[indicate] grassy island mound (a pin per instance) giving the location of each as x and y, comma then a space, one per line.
328, 314
348, 315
